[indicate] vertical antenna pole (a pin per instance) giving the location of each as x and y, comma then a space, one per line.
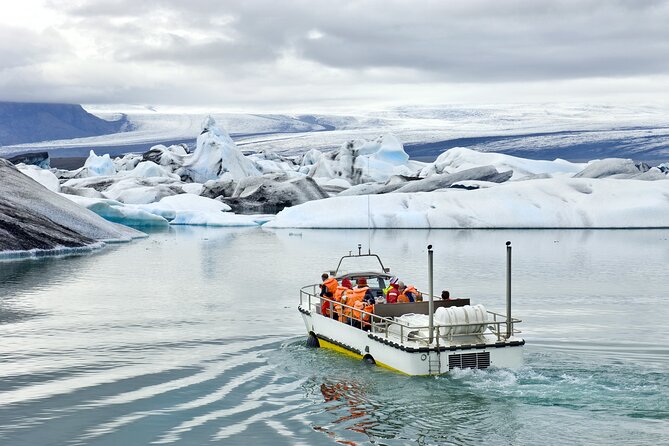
369, 217
509, 325
431, 285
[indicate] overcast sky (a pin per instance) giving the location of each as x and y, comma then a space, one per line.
312, 54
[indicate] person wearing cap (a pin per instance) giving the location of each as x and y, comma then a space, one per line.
394, 292
328, 288
356, 300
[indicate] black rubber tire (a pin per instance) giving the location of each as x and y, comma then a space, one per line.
312, 341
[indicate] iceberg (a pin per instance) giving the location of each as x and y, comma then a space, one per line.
216, 155
541, 203
34, 220
99, 165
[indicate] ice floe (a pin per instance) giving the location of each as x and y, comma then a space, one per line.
541, 203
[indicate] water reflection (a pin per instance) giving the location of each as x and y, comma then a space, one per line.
350, 408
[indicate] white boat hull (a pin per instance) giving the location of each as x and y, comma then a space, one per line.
412, 360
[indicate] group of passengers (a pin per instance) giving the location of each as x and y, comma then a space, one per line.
352, 305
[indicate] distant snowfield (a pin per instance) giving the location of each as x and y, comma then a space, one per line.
533, 131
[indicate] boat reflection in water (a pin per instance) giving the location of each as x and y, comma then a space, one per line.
348, 400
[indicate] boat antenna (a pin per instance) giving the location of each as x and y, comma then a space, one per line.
431, 285
509, 325
369, 217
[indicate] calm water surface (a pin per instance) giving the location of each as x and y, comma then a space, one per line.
192, 337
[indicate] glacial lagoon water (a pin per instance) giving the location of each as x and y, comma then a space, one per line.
192, 337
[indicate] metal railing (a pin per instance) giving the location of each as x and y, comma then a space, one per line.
379, 324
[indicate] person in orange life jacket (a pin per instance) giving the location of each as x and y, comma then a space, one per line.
339, 296
328, 288
360, 296
403, 298
394, 291
408, 294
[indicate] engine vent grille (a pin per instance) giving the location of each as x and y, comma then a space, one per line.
469, 361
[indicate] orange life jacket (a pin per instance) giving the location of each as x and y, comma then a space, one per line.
410, 289
365, 317
353, 296
359, 305
403, 299
331, 284
337, 298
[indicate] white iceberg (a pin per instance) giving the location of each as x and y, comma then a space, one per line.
43, 176
541, 203
216, 155
459, 158
99, 165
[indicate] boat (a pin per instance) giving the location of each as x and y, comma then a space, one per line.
425, 338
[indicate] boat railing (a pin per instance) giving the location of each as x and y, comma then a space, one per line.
379, 324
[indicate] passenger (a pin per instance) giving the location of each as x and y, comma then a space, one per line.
357, 298
403, 298
445, 295
328, 288
410, 292
339, 296
413, 293
394, 292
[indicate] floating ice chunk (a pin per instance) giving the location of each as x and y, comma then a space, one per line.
215, 155
609, 167
142, 190
191, 202
204, 218
120, 213
43, 176
192, 188
149, 169
99, 165
460, 158
543, 203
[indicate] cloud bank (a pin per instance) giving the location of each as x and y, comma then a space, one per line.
296, 53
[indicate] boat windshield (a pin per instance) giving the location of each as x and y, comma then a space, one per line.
356, 263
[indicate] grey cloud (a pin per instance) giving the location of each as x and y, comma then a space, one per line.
412, 41
19, 47
452, 41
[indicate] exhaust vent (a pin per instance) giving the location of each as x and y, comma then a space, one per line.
469, 361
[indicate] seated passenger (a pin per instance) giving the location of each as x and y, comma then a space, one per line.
340, 297
445, 295
357, 298
413, 293
394, 292
404, 297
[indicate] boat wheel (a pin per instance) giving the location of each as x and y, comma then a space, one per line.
312, 341
367, 359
